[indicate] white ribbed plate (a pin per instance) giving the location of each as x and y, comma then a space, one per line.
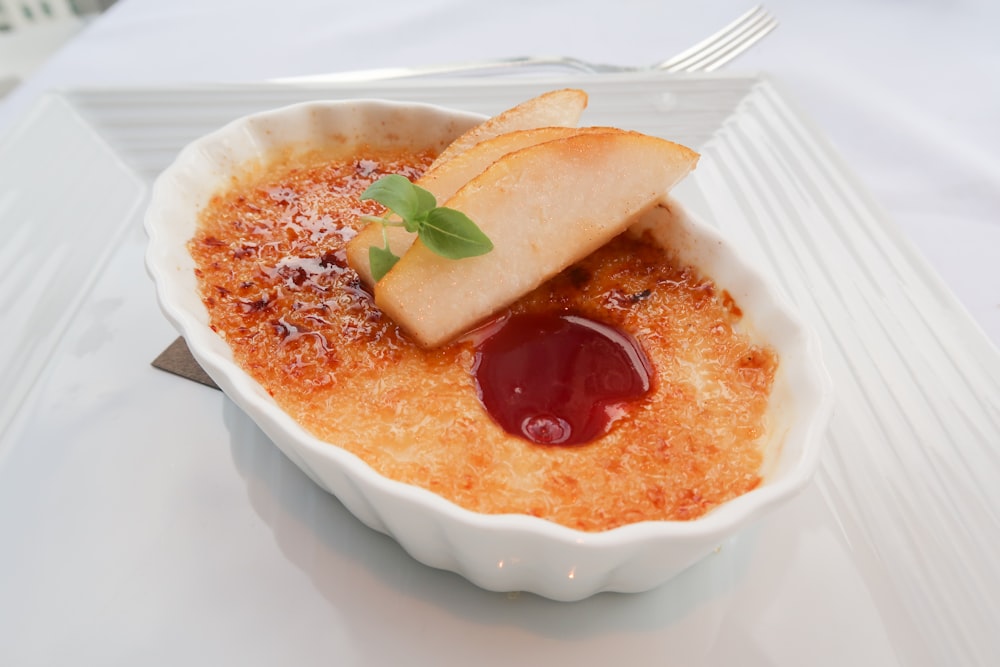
65, 198
125, 522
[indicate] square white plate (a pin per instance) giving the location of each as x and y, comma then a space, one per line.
131, 535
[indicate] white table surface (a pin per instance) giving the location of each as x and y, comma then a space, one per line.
909, 93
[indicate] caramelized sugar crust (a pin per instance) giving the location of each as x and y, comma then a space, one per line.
274, 277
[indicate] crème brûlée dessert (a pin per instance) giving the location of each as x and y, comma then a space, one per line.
577, 371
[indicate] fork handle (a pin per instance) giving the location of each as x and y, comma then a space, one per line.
500, 64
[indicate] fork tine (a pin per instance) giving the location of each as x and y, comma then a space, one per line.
723, 45
735, 47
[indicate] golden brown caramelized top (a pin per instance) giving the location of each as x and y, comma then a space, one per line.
273, 274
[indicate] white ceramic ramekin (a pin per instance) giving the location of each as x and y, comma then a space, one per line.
496, 552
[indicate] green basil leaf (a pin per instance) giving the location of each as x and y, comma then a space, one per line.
397, 194
414, 224
425, 201
380, 260
452, 234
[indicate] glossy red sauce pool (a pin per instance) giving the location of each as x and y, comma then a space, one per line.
559, 379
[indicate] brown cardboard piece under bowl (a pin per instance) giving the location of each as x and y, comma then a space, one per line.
177, 359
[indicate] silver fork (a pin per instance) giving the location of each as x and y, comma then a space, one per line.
707, 55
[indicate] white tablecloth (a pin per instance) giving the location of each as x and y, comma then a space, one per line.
909, 93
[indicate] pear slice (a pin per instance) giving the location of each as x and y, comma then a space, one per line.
556, 108
443, 182
544, 207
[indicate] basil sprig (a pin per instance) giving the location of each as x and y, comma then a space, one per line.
445, 231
